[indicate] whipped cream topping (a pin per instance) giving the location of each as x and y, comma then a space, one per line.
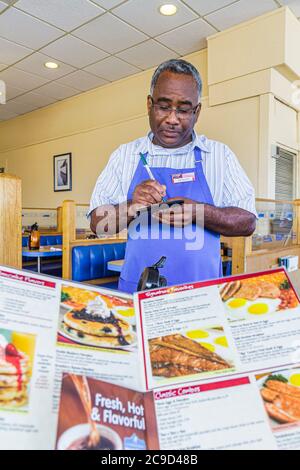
98, 308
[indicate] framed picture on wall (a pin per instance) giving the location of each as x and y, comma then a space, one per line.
62, 170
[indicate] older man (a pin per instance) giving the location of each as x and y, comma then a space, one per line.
204, 174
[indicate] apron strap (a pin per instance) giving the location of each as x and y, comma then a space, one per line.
201, 176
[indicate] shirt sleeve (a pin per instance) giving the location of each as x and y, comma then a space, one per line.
238, 190
108, 188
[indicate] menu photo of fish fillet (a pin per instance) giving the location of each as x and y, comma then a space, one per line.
258, 296
280, 392
16, 358
178, 355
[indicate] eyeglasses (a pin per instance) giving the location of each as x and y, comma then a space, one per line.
182, 113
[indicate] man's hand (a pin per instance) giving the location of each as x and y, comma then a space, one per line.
178, 215
148, 192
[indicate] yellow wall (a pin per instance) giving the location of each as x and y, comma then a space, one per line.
247, 73
90, 125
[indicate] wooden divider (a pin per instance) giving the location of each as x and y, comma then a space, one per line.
45, 230
70, 240
244, 258
247, 260
10, 221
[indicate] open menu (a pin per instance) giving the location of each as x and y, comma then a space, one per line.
209, 365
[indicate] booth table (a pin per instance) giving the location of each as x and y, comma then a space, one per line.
294, 276
115, 265
43, 252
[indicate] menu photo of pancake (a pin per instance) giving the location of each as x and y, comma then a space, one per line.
280, 392
202, 351
16, 363
258, 297
89, 318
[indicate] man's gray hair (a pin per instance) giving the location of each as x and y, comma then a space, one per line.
179, 66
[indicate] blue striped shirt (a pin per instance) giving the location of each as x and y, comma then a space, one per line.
228, 182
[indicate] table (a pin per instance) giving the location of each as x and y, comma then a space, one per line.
43, 252
294, 276
118, 264
115, 265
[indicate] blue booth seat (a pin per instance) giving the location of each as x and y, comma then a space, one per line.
51, 266
46, 240
90, 262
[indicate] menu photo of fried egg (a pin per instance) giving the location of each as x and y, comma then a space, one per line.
94, 321
256, 297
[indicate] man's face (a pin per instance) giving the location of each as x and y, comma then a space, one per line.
173, 130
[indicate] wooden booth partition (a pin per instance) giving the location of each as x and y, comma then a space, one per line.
10, 221
277, 235
74, 236
48, 219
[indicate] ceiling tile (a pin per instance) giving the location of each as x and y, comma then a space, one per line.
2, 66
146, 16
9, 2
82, 80
2, 6
35, 64
112, 69
19, 108
12, 92
203, 7
6, 113
188, 38
148, 54
66, 14
23, 29
110, 34
55, 90
35, 99
11, 52
241, 11
108, 4
294, 5
20, 79
74, 51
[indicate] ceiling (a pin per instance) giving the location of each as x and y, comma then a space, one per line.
98, 41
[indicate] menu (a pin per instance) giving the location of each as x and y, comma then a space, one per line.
209, 365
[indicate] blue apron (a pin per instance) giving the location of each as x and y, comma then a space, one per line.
149, 239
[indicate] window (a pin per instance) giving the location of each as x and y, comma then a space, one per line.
285, 175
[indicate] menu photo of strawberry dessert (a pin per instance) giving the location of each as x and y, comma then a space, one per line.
92, 319
95, 415
16, 363
258, 297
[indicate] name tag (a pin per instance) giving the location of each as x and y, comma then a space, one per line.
183, 178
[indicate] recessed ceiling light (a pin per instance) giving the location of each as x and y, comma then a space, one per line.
51, 65
168, 9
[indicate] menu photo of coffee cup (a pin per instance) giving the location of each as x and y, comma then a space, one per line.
95, 415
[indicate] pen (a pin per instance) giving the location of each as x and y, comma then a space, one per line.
147, 168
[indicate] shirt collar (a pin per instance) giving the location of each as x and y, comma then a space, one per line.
198, 141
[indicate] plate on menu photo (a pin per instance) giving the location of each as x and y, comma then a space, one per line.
280, 392
111, 332
126, 343
94, 319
